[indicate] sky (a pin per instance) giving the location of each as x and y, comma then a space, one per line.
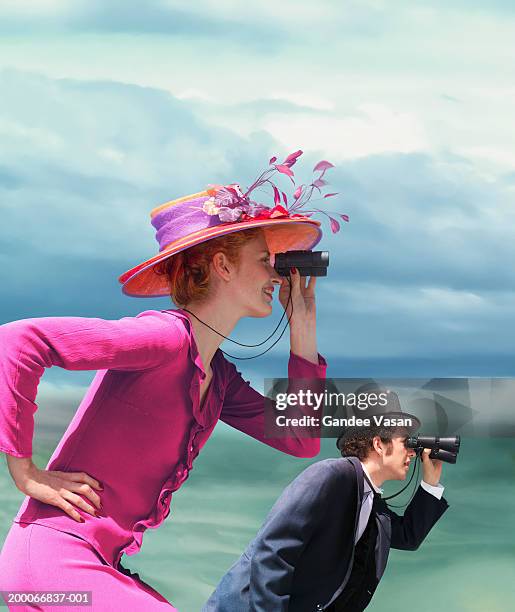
108, 109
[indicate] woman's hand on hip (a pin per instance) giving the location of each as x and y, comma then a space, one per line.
60, 489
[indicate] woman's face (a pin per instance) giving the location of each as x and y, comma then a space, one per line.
255, 279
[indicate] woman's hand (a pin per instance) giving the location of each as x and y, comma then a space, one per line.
302, 310
302, 301
60, 489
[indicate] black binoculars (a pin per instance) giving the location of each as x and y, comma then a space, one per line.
308, 263
445, 449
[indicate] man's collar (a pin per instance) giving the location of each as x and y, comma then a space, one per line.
368, 479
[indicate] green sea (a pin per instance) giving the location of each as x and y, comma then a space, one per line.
467, 563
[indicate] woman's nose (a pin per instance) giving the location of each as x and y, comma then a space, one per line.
275, 276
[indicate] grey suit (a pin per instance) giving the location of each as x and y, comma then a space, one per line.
302, 555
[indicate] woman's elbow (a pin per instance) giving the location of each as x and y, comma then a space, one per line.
306, 448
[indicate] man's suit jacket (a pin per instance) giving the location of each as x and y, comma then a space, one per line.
302, 555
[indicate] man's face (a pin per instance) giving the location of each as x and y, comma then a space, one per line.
396, 459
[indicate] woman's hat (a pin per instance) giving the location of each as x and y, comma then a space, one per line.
221, 210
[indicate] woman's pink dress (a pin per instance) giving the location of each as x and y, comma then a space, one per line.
137, 431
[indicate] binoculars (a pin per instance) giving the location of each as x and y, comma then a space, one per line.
445, 449
308, 263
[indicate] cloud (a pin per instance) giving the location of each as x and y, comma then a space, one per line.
504, 8
205, 17
157, 17
372, 130
87, 161
250, 116
381, 320
386, 76
420, 270
417, 219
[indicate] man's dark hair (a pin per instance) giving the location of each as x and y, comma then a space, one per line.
357, 442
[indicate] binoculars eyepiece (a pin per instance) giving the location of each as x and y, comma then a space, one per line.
445, 449
308, 263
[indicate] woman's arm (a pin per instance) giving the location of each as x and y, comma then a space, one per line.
244, 408
73, 343
30, 346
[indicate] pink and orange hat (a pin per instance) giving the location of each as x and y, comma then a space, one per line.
221, 210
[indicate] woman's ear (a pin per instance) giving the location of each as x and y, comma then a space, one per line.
222, 266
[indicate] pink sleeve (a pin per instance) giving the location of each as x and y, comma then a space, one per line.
29, 346
244, 407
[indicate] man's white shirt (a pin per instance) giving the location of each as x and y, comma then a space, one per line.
368, 498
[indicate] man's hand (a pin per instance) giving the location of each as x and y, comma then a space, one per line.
61, 489
432, 468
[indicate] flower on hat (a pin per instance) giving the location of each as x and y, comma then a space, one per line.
210, 207
232, 205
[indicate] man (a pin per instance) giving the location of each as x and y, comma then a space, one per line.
325, 543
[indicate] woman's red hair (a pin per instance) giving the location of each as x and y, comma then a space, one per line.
188, 271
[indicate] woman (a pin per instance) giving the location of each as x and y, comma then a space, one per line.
161, 387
